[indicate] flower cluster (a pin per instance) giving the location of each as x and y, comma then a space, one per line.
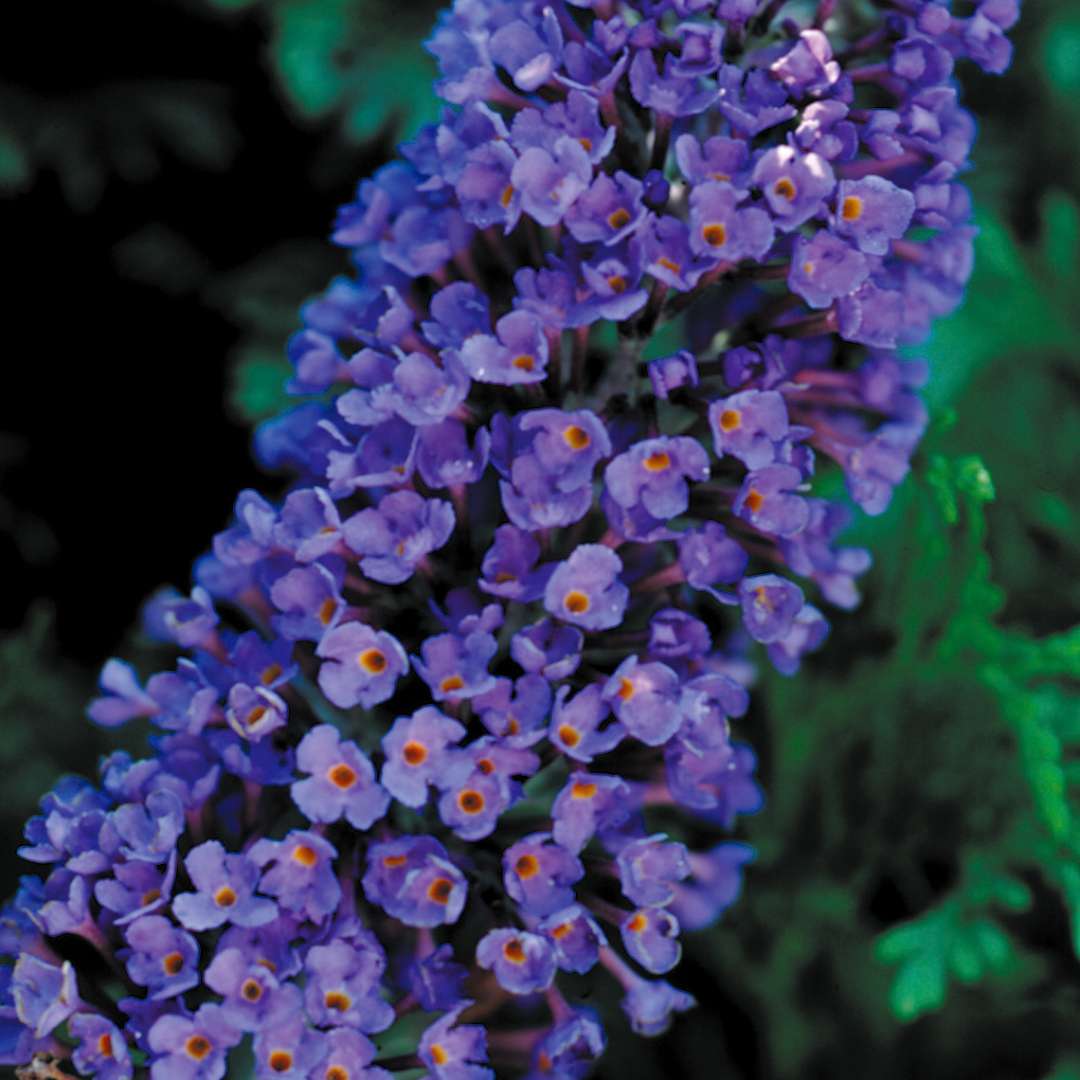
454, 714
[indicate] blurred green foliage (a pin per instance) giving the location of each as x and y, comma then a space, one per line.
914, 909
358, 60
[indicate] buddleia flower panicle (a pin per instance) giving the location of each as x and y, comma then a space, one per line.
455, 715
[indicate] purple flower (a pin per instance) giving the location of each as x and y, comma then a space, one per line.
518, 353
455, 1052
393, 539
714, 886
444, 458
418, 750
653, 474
548, 648
286, 1046
585, 589
571, 1048
309, 599
769, 606
650, 1004
413, 879
708, 556
136, 888
590, 803
872, 212
645, 699
510, 566
651, 937
309, 525
455, 667
565, 447
471, 805
576, 938
523, 963
301, 875
575, 725
102, 1049
767, 501
672, 372
226, 887
254, 712
719, 229
161, 957
539, 874
550, 182
149, 830
362, 665
250, 989
516, 712
748, 426
649, 869
45, 995
671, 94
824, 268
795, 185
437, 981
341, 781
191, 1047
342, 986
807, 633
609, 211
344, 1051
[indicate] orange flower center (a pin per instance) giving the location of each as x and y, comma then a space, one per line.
619, 218
524, 362
577, 438
414, 753
197, 1047
583, 789
730, 419
281, 1061
304, 855
569, 736
638, 923
225, 896
851, 209
576, 602
373, 660
658, 461
251, 990
439, 1055
785, 188
172, 963
715, 235
342, 776
754, 501
471, 802
451, 683
527, 866
271, 673
514, 951
440, 889
337, 1000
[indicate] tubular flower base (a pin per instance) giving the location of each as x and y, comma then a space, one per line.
455, 715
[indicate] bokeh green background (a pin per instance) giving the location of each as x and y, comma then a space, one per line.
914, 909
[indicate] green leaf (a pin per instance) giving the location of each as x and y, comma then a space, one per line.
919, 986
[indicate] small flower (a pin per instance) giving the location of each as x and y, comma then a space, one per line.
585, 590
226, 887
341, 781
